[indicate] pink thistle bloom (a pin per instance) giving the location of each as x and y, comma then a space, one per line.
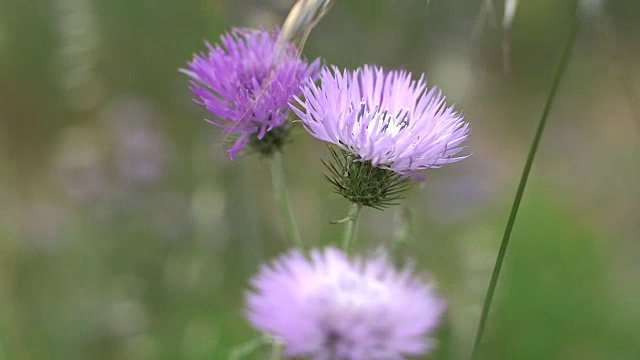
247, 82
384, 117
332, 307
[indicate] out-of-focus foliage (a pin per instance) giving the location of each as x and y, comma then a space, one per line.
126, 232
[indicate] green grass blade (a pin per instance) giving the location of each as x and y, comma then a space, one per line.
523, 182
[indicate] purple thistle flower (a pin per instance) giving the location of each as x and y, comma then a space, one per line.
332, 307
247, 82
383, 117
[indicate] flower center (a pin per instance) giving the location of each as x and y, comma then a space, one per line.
356, 294
383, 120
252, 81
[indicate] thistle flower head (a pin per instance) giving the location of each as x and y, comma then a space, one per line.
247, 81
333, 307
386, 118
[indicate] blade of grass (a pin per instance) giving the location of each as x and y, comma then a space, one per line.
523, 182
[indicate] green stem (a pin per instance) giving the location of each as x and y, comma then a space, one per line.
276, 350
282, 198
523, 182
350, 229
247, 348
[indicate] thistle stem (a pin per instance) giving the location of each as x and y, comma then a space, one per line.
350, 229
523, 182
276, 351
247, 348
282, 198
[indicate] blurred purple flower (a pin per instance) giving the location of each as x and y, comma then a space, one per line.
141, 155
333, 307
383, 117
247, 82
141, 152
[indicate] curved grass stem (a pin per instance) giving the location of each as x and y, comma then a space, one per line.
523, 182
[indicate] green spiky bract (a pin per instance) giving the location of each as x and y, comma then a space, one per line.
272, 141
362, 183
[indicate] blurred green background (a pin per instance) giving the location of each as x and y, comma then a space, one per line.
127, 233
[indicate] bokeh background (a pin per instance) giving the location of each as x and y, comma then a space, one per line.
127, 233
